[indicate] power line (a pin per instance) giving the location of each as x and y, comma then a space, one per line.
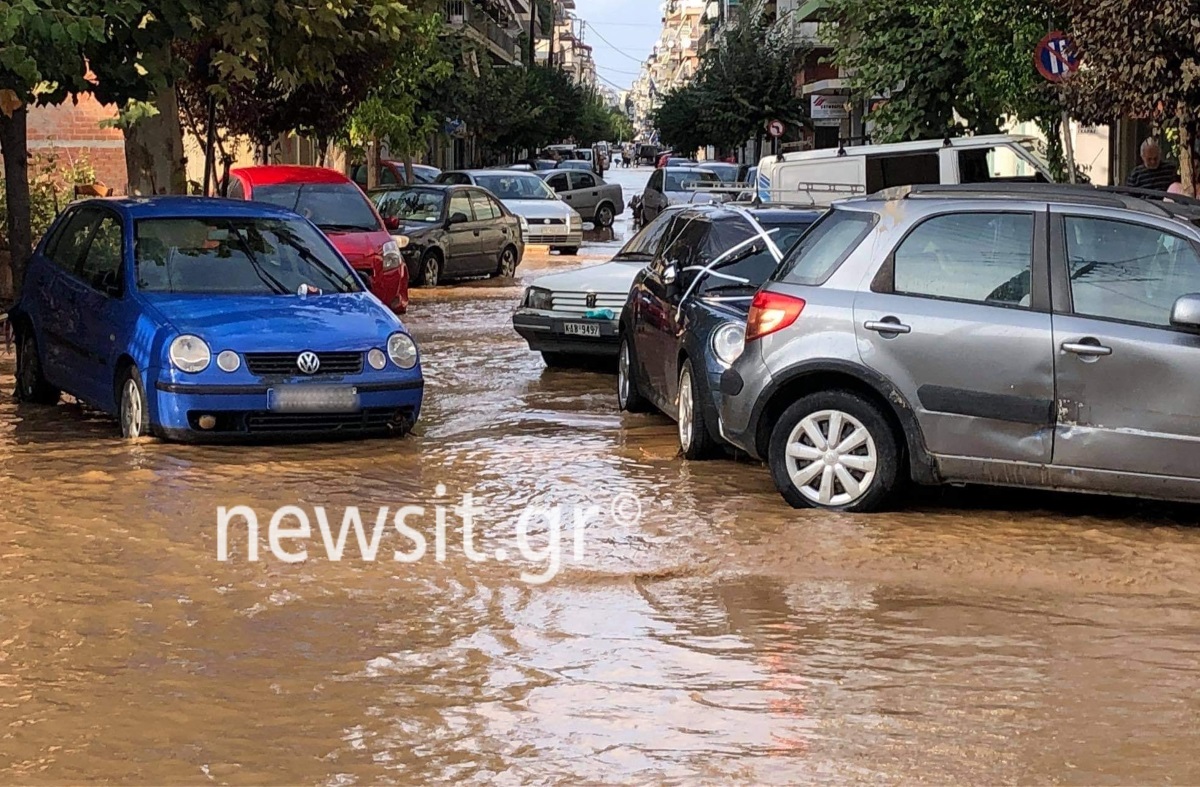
617, 49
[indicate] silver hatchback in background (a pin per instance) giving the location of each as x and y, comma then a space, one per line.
1023, 335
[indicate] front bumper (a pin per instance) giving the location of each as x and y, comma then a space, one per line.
391, 287
547, 332
241, 411
553, 235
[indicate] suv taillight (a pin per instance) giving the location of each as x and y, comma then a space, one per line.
771, 312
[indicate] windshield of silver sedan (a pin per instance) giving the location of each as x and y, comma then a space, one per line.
237, 256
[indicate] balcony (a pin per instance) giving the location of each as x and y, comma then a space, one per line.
463, 15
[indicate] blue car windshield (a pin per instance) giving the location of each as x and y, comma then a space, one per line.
240, 256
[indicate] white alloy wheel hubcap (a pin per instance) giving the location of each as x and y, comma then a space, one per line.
132, 409
831, 458
623, 374
685, 410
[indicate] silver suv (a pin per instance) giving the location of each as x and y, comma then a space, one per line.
1026, 335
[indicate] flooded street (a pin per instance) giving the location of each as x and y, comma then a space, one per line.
706, 634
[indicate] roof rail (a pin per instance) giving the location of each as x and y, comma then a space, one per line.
1181, 199
1112, 196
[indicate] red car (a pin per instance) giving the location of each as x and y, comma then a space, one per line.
330, 200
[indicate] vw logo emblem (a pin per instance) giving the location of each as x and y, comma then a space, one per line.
547, 221
308, 362
591, 300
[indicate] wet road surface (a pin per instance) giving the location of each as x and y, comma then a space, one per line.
714, 636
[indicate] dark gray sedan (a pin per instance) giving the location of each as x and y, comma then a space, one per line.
597, 201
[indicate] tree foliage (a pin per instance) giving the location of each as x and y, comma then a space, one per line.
1140, 60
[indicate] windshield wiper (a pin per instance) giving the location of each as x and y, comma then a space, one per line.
345, 227
263, 274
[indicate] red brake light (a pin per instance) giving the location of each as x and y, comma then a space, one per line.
771, 312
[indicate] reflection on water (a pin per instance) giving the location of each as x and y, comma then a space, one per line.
721, 638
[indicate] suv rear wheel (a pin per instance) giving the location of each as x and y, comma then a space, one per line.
834, 450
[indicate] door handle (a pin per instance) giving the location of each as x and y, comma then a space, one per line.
476, 233
1087, 348
887, 325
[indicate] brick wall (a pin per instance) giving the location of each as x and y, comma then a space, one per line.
71, 130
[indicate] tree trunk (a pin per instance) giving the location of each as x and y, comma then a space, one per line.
1187, 157
408, 168
154, 158
16, 192
372, 164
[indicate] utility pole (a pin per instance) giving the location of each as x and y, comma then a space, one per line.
533, 33
553, 32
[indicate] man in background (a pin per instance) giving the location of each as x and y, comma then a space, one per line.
1153, 173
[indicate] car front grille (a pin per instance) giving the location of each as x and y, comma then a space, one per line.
284, 364
577, 302
534, 223
379, 419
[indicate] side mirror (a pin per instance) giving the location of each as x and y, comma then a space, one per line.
391, 222
670, 275
1186, 312
457, 218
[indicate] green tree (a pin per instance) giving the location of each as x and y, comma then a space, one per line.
42, 44
679, 119
1141, 60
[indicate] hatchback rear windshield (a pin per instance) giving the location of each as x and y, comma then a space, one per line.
825, 247
678, 181
335, 207
237, 256
516, 186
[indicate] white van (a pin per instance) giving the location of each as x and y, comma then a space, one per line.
819, 177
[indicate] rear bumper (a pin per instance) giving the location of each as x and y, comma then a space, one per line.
547, 332
241, 412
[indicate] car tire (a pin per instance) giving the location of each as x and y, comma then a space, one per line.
695, 442
32, 386
133, 412
569, 251
809, 468
507, 267
556, 360
431, 269
629, 397
604, 217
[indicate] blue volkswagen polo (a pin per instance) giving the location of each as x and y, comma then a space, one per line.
192, 318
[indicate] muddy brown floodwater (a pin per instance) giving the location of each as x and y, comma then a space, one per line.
719, 637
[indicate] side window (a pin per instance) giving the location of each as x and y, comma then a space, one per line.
101, 266
884, 172
235, 190
359, 176
483, 206
686, 248
977, 257
454, 178
656, 181
558, 182
73, 241
584, 180
387, 176
497, 208
460, 203
1128, 272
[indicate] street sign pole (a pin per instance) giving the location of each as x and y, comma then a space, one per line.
1055, 60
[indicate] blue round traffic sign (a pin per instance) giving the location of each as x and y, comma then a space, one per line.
1055, 56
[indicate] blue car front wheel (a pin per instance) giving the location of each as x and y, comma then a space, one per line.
133, 412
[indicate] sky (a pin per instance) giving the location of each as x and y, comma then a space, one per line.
622, 34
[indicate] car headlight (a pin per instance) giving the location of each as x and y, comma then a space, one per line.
539, 298
402, 350
190, 354
391, 255
728, 341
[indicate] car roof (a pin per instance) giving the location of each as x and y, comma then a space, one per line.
776, 214
173, 207
399, 163
489, 172
421, 187
1153, 203
912, 146
275, 174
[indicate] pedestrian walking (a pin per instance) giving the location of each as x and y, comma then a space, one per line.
1153, 173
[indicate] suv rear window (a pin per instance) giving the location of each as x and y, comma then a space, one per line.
827, 245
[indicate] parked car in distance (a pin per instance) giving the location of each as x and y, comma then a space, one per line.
728, 173
594, 199
452, 232
393, 173
682, 327
576, 164
335, 204
549, 220
1032, 336
197, 318
542, 165
671, 160
677, 186
568, 316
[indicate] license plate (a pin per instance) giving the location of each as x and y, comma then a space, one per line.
581, 329
313, 399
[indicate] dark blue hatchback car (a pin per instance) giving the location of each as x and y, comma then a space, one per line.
195, 318
685, 321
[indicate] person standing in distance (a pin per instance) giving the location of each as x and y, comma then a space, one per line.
1153, 173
